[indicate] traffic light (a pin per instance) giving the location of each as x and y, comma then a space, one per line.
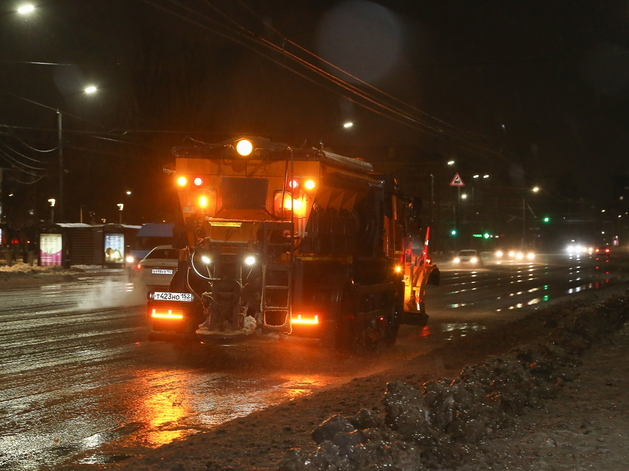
546, 219
486, 235
453, 232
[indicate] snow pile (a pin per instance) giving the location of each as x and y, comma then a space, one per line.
21, 267
439, 425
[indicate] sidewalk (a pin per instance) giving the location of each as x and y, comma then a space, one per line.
585, 427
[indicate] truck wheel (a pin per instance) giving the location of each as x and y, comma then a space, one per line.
391, 328
347, 328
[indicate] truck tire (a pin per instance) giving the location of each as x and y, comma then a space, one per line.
392, 326
346, 338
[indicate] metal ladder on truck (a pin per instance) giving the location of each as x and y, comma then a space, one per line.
277, 275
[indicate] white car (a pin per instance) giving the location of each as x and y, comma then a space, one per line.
468, 257
157, 269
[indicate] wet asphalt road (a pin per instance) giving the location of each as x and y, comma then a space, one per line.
79, 381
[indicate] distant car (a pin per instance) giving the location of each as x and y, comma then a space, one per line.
468, 257
601, 254
575, 248
515, 255
155, 271
150, 235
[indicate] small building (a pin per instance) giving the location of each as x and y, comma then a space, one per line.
76, 243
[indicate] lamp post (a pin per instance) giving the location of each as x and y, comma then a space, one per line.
90, 90
346, 125
121, 205
52, 202
60, 150
534, 190
120, 208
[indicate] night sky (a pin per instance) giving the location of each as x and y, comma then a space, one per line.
531, 92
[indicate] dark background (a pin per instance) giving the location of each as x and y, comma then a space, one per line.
530, 93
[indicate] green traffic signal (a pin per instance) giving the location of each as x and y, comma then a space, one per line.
546, 219
453, 232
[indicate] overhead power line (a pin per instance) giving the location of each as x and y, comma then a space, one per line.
314, 74
22, 155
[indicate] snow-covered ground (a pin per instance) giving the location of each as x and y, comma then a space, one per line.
21, 268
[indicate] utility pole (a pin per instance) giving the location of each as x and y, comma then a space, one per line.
523, 223
60, 145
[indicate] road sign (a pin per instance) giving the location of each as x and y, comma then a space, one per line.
457, 181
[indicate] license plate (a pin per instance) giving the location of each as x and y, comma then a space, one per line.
161, 271
166, 296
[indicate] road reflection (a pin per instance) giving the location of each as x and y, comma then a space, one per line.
537, 282
161, 410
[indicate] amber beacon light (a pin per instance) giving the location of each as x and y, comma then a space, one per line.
244, 147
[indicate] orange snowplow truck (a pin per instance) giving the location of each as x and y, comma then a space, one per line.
289, 241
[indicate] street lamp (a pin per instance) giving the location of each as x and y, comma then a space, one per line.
26, 9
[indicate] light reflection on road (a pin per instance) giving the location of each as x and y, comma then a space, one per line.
161, 410
480, 288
